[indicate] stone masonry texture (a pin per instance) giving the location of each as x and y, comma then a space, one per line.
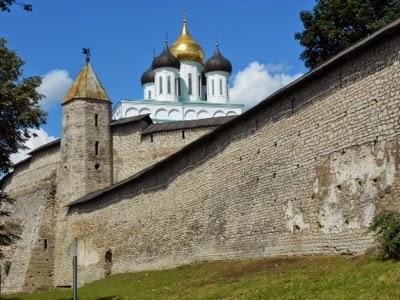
302, 173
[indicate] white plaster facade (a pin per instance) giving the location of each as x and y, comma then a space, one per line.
149, 90
162, 111
166, 84
191, 87
218, 87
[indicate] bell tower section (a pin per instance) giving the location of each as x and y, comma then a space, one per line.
86, 142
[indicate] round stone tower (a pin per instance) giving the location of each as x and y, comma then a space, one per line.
86, 142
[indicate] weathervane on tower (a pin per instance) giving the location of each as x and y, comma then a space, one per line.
86, 52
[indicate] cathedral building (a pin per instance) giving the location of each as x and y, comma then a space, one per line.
181, 85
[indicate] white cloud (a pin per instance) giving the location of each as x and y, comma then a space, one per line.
34, 142
257, 81
54, 86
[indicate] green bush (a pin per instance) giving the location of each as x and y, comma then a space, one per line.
387, 228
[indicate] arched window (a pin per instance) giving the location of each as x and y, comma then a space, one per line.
149, 95
220, 87
177, 86
199, 86
212, 87
169, 84
160, 90
190, 83
96, 120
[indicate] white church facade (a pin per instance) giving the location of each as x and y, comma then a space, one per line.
181, 85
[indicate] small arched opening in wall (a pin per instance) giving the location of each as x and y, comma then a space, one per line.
131, 112
161, 114
108, 263
219, 113
190, 114
231, 113
174, 114
203, 114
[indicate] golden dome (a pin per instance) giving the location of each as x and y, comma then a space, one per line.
186, 48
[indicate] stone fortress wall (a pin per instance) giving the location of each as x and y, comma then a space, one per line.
302, 173
33, 184
135, 151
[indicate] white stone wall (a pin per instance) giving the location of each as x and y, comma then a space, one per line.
174, 111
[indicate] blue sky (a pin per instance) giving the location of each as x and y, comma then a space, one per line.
122, 35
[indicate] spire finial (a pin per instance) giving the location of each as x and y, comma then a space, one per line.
184, 16
154, 53
216, 41
166, 39
86, 52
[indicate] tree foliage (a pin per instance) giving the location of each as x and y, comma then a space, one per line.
6, 4
19, 105
9, 231
19, 111
387, 228
333, 25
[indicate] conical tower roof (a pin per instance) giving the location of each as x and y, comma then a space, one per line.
86, 86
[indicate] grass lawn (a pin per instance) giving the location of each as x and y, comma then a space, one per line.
284, 278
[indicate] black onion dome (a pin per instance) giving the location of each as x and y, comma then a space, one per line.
147, 76
166, 59
218, 63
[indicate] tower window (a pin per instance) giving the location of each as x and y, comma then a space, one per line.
220, 87
199, 86
176, 86
45, 244
169, 84
160, 85
179, 86
96, 148
190, 83
149, 95
212, 87
183, 134
96, 120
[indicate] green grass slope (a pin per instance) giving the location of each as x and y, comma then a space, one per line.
285, 278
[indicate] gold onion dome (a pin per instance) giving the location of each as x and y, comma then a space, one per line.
186, 48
